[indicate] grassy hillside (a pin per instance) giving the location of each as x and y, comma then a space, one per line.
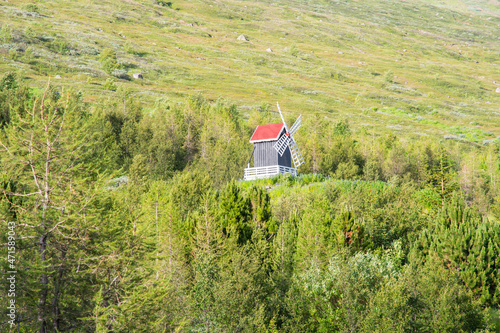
412, 67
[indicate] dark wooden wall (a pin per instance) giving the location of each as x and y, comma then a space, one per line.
266, 155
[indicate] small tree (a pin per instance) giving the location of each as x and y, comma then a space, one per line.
109, 60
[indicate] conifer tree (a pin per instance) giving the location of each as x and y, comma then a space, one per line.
235, 213
465, 242
47, 152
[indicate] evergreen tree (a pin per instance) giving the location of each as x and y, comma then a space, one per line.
465, 242
47, 153
235, 213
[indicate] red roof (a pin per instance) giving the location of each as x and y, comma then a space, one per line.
267, 132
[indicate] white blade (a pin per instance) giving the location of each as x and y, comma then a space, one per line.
297, 158
295, 126
281, 144
282, 119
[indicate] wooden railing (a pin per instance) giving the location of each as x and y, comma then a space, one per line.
267, 172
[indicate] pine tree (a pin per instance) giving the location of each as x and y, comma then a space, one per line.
235, 213
465, 242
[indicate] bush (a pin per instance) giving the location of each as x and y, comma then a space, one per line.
13, 54
29, 33
130, 48
31, 7
28, 55
164, 3
424, 299
109, 60
109, 84
6, 33
121, 74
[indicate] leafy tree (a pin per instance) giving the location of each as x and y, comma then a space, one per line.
312, 143
342, 158
372, 170
244, 287
396, 162
336, 298
316, 237
426, 298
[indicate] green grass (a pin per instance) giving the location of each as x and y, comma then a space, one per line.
341, 59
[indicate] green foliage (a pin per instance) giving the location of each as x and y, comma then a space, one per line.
174, 243
9, 81
468, 243
336, 298
13, 55
342, 159
31, 7
235, 213
164, 3
130, 48
139, 169
389, 76
28, 55
293, 50
30, 33
59, 184
341, 128
110, 85
426, 298
187, 191
6, 33
109, 61
441, 175
15, 98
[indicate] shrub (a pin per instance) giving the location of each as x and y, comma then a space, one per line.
109, 84
29, 33
28, 55
13, 54
8, 81
130, 48
388, 76
164, 3
109, 60
6, 33
293, 50
121, 74
31, 7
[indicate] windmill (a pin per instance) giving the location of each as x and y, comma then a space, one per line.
274, 150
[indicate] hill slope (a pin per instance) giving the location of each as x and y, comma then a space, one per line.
414, 67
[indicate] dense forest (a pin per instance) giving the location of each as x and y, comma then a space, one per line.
133, 220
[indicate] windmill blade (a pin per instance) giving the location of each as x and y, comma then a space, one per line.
282, 119
296, 125
297, 158
281, 144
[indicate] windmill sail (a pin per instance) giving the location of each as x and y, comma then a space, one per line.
281, 115
295, 126
297, 158
287, 141
281, 144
